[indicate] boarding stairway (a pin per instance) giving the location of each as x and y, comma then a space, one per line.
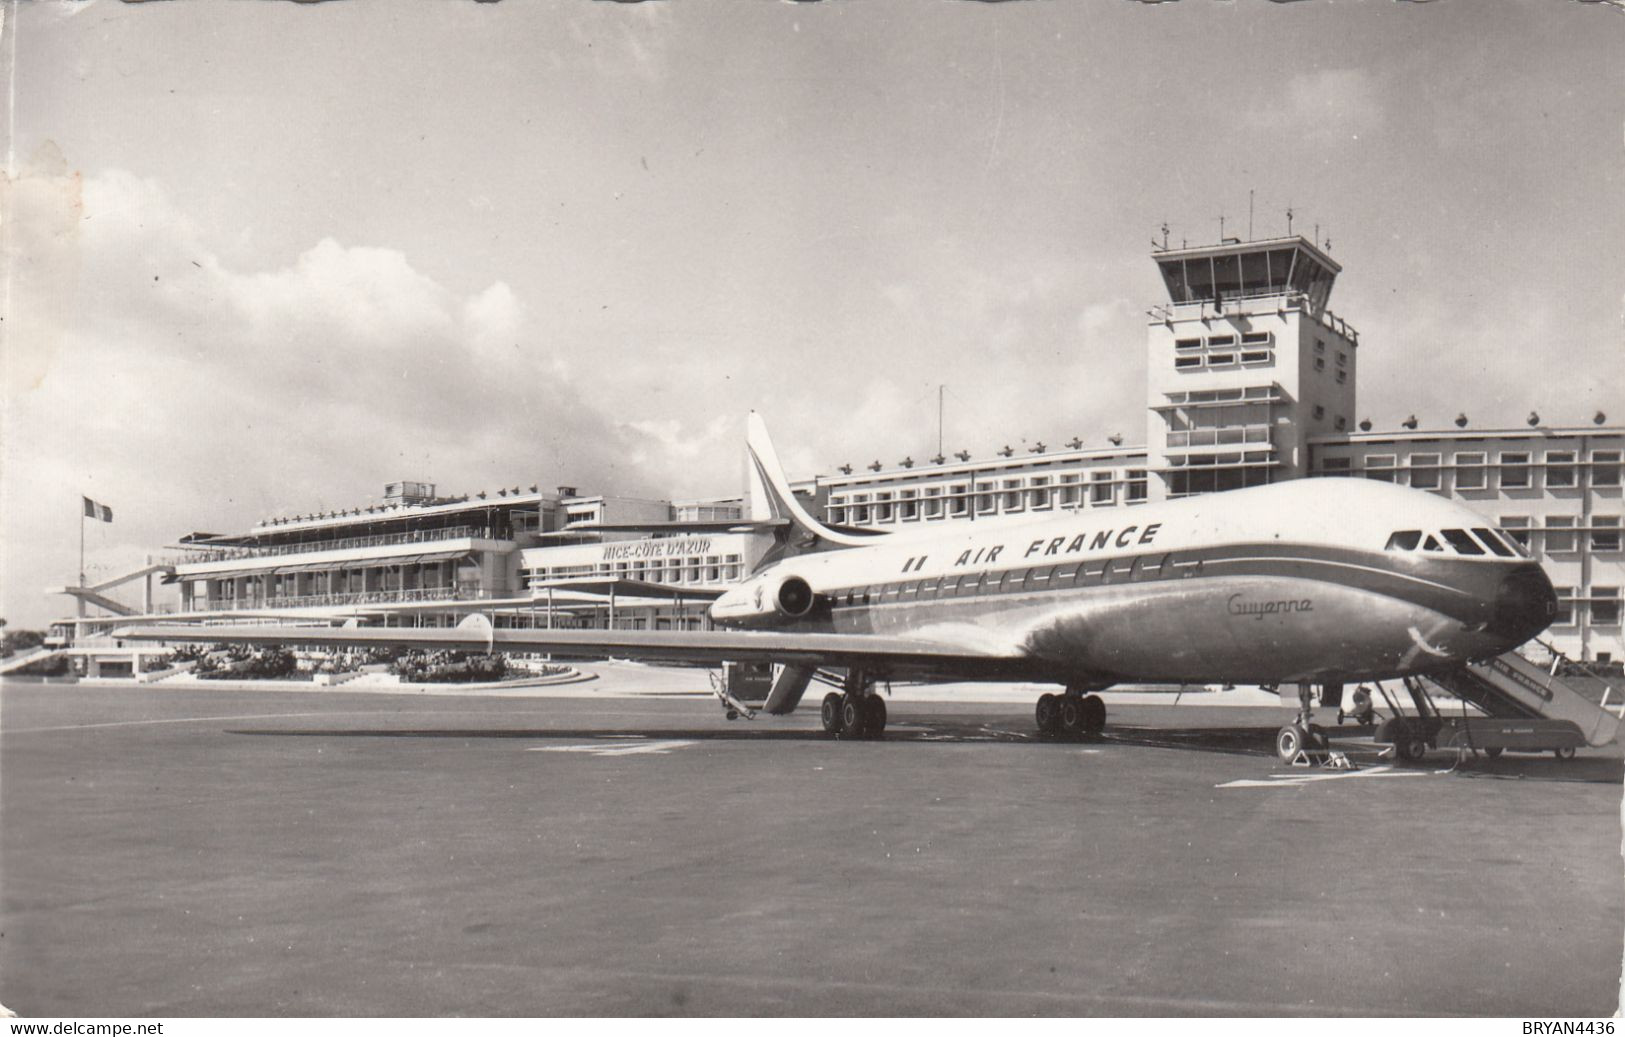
1511, 687
95, 594
18, 661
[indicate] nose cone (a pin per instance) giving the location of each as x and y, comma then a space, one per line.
1525, 604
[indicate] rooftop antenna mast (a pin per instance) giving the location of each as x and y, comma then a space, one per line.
1289, 219
940, 388
1249, 214
1165, 235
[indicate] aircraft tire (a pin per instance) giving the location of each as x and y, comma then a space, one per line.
875, 715
1071, 715
1289, 741
830, 713
1048, 713
1094, 715
854, 717
1565, 753
1493, 752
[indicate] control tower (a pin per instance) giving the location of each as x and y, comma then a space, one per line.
1245, 364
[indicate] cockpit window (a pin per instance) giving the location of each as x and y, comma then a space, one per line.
1404, 540
1463, 543
1432, 544
1492, 542
1512, 542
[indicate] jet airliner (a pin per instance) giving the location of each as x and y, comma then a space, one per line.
1308, 582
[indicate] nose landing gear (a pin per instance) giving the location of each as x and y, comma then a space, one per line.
1303, 743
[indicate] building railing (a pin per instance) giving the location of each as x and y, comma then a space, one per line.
411, 594
1167, 312
1219, 436
416, 536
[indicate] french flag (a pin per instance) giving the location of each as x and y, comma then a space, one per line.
97, 511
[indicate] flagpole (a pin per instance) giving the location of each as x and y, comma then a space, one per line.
81, 541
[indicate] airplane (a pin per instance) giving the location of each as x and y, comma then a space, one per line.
1308, 582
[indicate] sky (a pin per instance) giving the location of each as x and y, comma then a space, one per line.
263, 258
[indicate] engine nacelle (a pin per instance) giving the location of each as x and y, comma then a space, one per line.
766, 600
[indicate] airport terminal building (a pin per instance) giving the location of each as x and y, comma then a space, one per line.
1251, 379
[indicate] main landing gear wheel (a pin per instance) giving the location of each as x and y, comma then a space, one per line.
1072, 715
1565, 753
1493, 752
854, 717
1048, 713
1093, 708
875, 718
830, 713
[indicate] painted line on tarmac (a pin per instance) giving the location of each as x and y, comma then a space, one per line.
1281, 781
175, 720
622, 748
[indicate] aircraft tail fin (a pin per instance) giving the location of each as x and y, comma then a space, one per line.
770, 496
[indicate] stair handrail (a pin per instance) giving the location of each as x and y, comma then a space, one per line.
1559, 659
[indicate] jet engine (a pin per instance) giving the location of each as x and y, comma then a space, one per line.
765, 600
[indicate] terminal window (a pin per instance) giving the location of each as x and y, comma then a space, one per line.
1605, 533
1469, 471
1605, 467
1425, 471
1565, 607
1101, 491
1560, 534
1380, 467
1605, 606
1559, 468
1335, 466
1514, 470
1136, 484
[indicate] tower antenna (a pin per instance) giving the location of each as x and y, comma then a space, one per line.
940, 388
1249, 214
1289, 219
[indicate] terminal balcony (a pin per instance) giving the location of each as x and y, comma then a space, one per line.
410, 595
415, 536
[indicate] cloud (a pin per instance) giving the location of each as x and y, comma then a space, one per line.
1333, 104
153, 375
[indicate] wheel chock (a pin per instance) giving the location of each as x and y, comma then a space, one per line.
1334, 759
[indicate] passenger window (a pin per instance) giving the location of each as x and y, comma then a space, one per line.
969, 584
1150, 567
1040, 575
1463, 543
1066, 573
1432, 544
1492, 542
1120, 569
1404, 540
1093, 571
